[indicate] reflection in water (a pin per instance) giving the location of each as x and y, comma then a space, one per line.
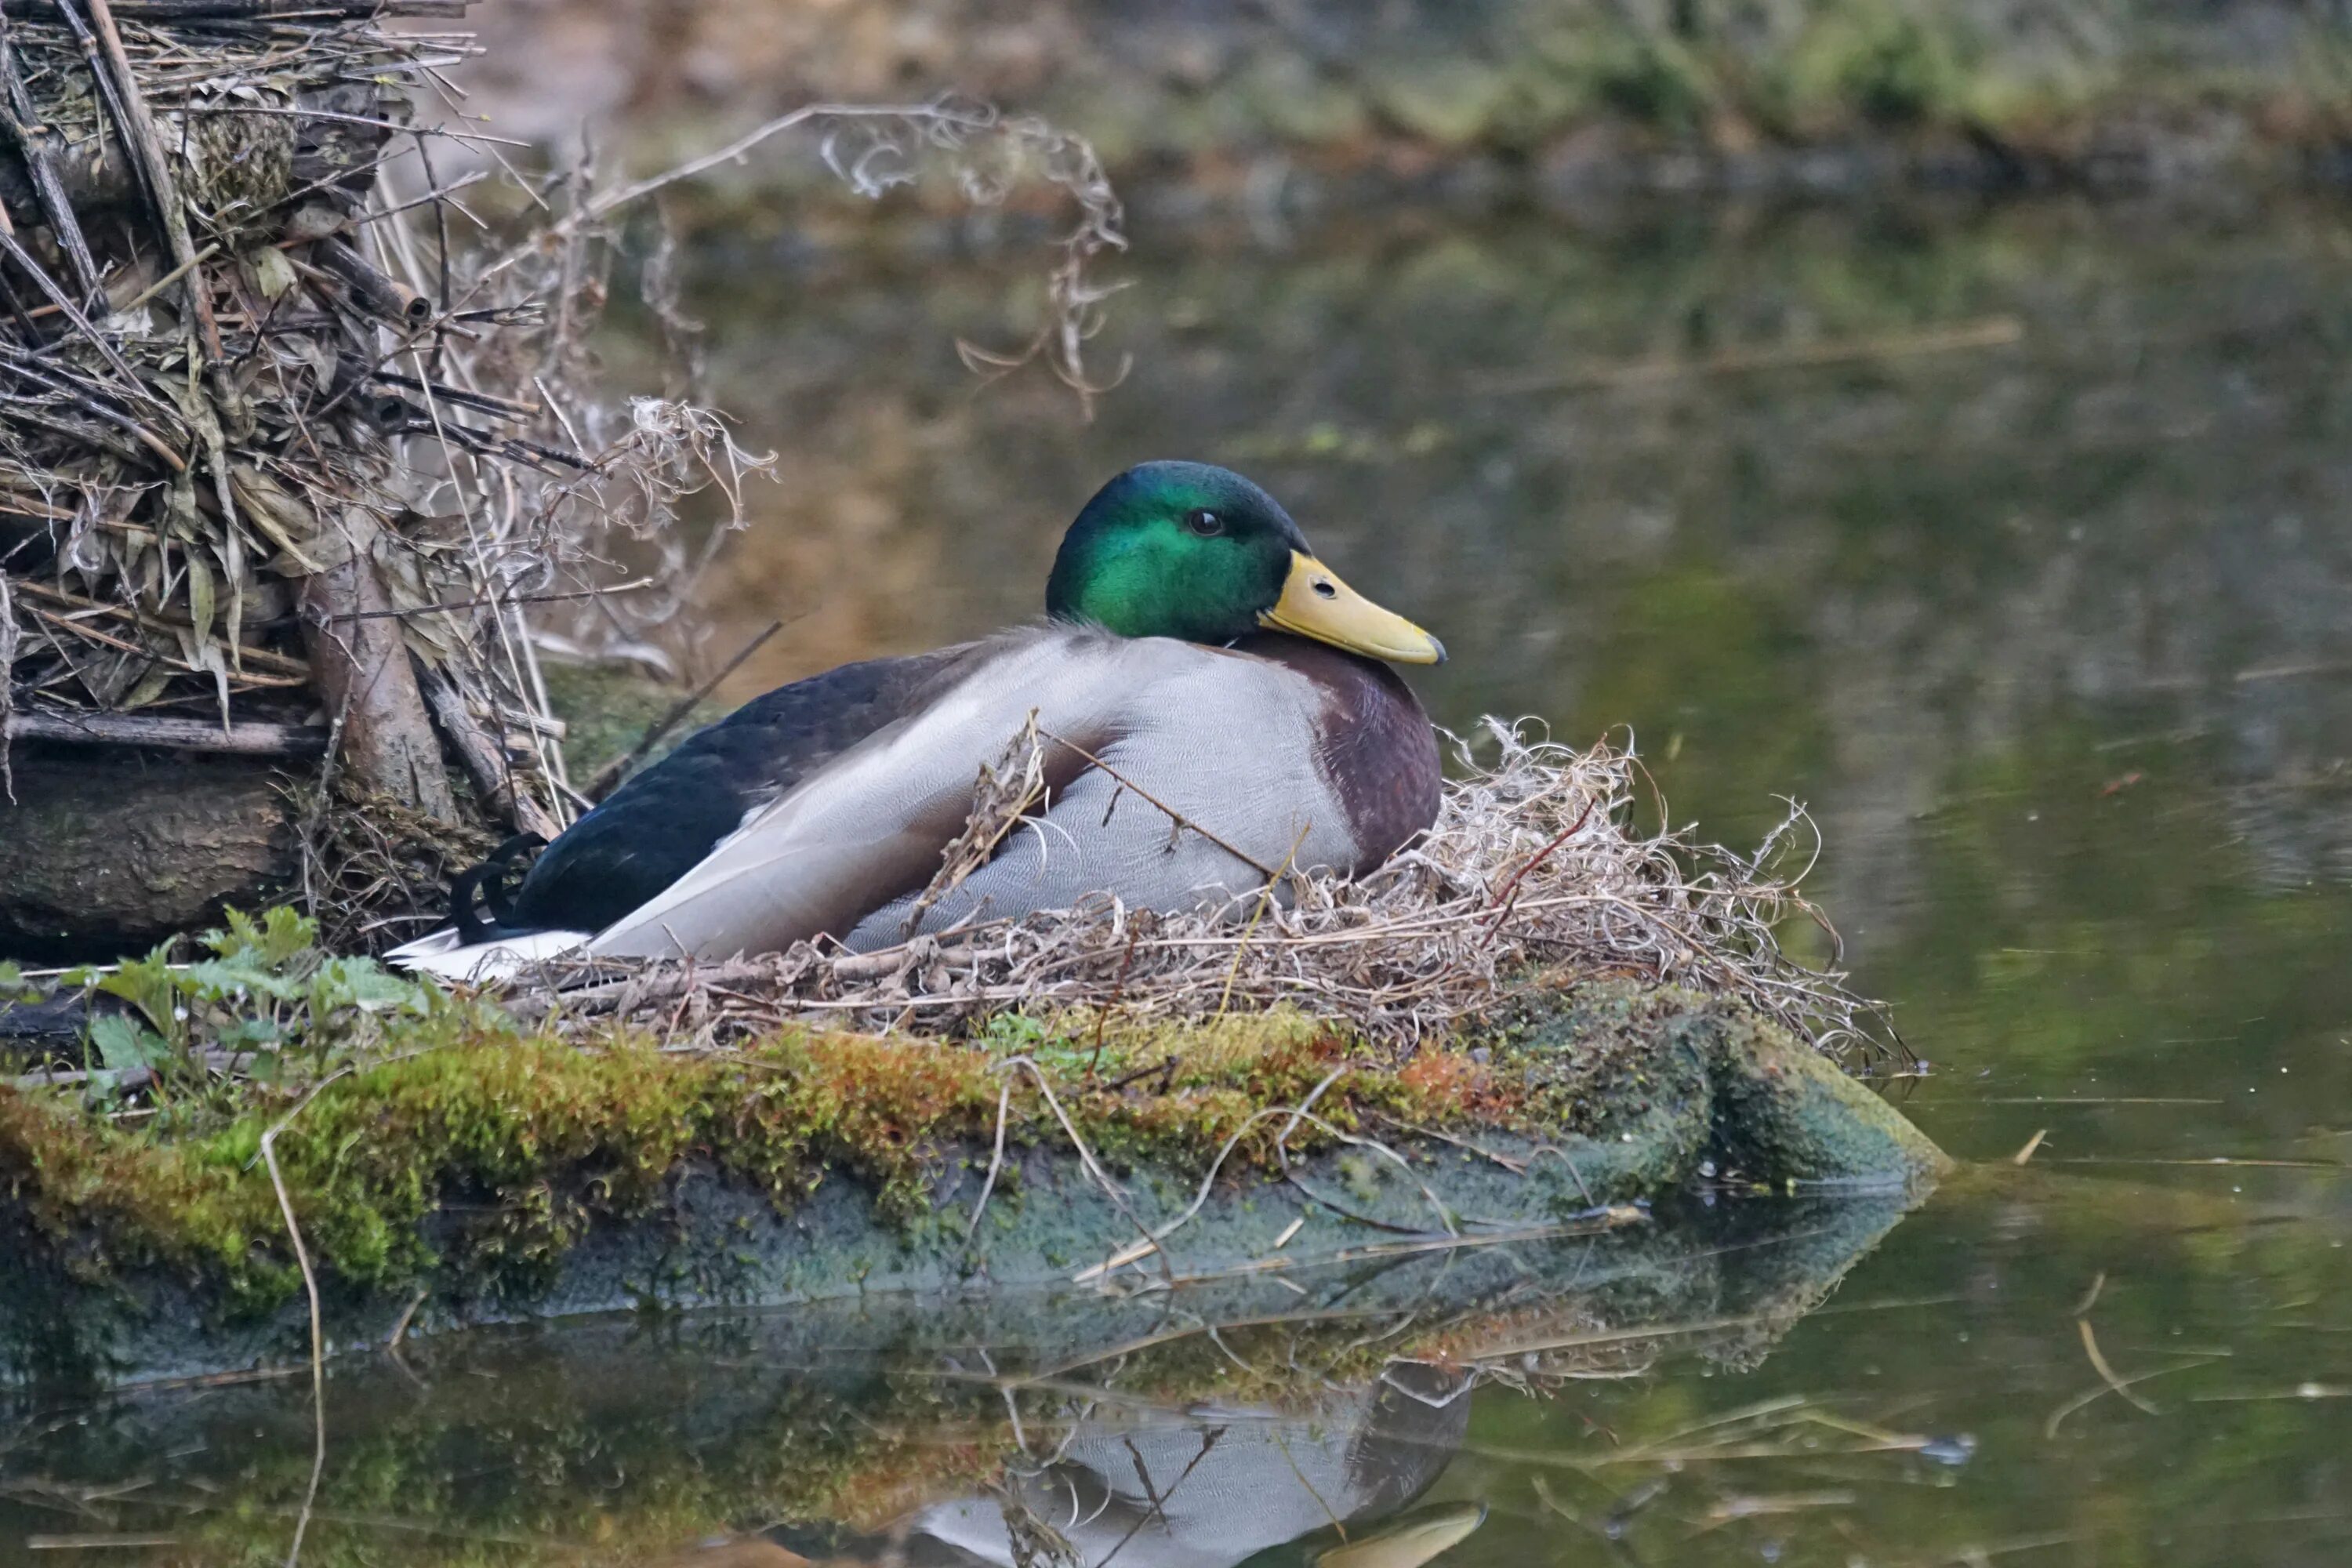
1320, 1421
2013, 543
2055, 636
1214, 1487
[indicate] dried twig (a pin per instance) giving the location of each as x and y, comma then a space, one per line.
600, 782
1182, 822
317, 1320
995, 1161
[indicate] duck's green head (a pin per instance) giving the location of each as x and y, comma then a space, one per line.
1186, 549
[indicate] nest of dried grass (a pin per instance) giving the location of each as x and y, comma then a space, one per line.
1536, 861
293, 464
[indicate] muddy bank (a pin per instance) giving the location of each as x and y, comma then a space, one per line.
493, 1178
1247, 107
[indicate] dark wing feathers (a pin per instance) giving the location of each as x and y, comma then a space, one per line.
660, 824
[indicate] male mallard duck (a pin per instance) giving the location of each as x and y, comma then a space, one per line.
1212, 705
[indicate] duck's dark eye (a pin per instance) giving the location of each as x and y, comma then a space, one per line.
1206, 523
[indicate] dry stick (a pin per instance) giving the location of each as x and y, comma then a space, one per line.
482, 402
1181, 820
20, 363
71, 728
1209, 1182
1116, 1194
1264, 897
1511, 883
66, 307
584, 214
504, 601
996, 1161
1102, 1014
1159, 1504
1444, 1215
282, 663
138, 126
318, 1328
83, 629
19, 116
252, 10
601, 782
147, 150
505, 640
485, 760
211, 249
10, 637
1993, 331
2107, 1374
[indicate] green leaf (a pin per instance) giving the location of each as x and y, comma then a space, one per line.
286, 934
148, 984
14, 987
364, 983
121, 1044
280, 940
235, 979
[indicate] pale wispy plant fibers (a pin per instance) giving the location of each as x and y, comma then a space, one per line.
1536, 861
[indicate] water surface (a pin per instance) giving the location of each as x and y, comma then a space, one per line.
2018, 546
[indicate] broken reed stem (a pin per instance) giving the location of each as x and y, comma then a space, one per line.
1264, 897
600, 784
21, 120
1111, 1189
1178, 818
244, 738
996, 1161
147, 148
486, 761
318, 1322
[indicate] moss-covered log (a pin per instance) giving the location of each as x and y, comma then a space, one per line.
494, 1175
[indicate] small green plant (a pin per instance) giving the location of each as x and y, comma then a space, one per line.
1018, 1035
14, 987
264, 988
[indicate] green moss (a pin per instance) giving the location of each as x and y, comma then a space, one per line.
474, 1161
487, 1156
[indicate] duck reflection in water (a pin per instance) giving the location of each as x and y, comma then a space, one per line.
1201, 1487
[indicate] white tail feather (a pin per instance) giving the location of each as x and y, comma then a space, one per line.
441, 954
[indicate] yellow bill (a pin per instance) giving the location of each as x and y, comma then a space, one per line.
1316, 603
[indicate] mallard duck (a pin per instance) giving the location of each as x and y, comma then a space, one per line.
1212, 705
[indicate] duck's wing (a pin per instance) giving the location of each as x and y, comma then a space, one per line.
666, 819
663, 821
1222, 741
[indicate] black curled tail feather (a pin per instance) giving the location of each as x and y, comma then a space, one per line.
486, 886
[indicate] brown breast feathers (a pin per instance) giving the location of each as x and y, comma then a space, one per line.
1375, 743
